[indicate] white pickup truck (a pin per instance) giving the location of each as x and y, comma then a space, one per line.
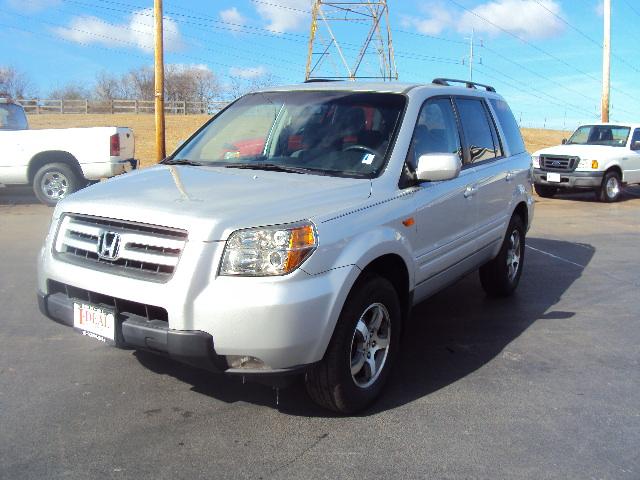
58, 162
600, 157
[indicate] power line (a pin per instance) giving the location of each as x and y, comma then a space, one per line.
549, 98
584, 35
233, 26
106, 37
633, 9
124, 42
535, 47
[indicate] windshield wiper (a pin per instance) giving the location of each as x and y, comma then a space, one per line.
269, 166
181, 161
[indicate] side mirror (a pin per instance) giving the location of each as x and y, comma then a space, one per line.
635, 145
564, 141
438, 166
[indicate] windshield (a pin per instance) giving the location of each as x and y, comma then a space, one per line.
609, 135
12, 117
330, 133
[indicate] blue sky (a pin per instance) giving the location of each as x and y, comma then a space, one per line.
542, 55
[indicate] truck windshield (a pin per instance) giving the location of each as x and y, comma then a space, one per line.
327, 133
12, 117
610, 135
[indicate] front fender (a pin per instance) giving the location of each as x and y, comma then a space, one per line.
362, 248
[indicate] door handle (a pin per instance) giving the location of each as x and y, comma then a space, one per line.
470, 191
509, 176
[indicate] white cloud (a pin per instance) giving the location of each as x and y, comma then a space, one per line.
439, 18
248, 73
285, 15
185, 67
31, 6
526, 18
234, 18
137, 32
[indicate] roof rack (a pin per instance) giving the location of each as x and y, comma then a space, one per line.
446, 82
316, 80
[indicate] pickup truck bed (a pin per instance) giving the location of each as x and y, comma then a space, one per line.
58, 162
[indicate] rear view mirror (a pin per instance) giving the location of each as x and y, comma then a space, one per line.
438, 166
564, 141
635, 145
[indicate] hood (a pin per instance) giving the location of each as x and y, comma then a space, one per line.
588, 152
211, 202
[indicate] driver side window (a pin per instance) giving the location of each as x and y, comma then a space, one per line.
436, 131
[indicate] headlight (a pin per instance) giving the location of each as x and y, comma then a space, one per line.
536, 161
264, 251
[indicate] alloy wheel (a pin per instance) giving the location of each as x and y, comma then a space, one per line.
370, 345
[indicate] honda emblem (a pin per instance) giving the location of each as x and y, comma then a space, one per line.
108, 245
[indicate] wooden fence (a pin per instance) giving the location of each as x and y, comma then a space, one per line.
39, 106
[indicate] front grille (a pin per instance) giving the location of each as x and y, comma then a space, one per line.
150, 312
559, 163
142, 251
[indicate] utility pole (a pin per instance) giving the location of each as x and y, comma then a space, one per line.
606, 61
159, 81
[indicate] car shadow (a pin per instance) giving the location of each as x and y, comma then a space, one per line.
631, 192
12, 195
448, 337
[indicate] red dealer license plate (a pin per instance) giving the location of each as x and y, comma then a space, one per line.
95, 322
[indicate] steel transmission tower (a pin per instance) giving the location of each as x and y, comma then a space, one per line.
365, 21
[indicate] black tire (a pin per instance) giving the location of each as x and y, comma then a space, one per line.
331, 383
611, 187
545, 191
499, 277
54, 181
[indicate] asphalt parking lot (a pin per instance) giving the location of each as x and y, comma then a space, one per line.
542, 385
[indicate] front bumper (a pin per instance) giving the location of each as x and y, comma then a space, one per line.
195, 348
569, 179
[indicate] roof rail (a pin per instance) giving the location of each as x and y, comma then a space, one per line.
468, 84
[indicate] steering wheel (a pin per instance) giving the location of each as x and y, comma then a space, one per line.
361, 147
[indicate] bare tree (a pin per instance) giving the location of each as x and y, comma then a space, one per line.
14, 82
108, 87
238, 86
207, 87
70, 91
190, 83
139, 84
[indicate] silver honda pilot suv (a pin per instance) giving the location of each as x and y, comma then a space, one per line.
294, 231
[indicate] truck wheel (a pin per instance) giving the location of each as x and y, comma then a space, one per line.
545, 191
361, 352
500, 277
54, 181
611, 187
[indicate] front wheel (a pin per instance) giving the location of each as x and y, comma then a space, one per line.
366, 339
54, 181
500, 277
611, 187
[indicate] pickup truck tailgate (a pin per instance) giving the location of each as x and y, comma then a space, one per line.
127, 143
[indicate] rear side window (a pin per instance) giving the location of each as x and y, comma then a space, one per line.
509, 126
479, 131
636, 136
